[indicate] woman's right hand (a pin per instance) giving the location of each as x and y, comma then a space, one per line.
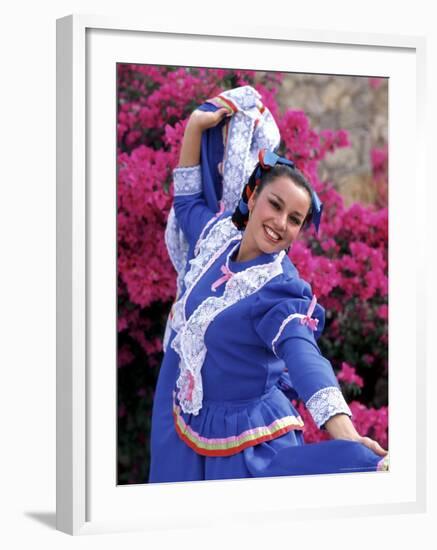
202, 120
197, 123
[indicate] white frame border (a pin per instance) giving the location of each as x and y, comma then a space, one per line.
71, 390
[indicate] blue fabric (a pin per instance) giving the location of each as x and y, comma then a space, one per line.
326, 457
240, 378
196, 211
211, 154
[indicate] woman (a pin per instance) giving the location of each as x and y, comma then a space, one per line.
242, 313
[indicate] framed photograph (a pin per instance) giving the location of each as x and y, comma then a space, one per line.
105, 69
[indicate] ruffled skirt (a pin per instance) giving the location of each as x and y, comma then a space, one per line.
241, 441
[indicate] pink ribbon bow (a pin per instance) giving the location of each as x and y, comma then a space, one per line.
307, 320
190, 386
227, 275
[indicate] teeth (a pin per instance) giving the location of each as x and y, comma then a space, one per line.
271, 233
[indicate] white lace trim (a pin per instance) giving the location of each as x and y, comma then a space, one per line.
209, 249
222, 232
249, 131
236, 156
244, 97
189, 341
326, 403
202, 234
187, 180
283, 325
177, 245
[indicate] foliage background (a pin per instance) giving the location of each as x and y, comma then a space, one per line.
346, 263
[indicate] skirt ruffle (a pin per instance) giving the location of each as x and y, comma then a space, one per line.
227, 428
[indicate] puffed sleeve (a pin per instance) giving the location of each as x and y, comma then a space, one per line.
285, 323
191, 210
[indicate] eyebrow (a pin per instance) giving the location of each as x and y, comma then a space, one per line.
295, 212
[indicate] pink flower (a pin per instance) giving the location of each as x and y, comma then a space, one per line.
125, 356
348, 375
383, 312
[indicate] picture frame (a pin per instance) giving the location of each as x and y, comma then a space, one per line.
88, 500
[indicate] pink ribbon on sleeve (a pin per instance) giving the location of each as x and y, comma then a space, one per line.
307, 320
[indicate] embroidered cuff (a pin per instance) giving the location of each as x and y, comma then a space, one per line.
187, 180
326, 403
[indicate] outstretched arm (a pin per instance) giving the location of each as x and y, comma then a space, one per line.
287, 331
316, 382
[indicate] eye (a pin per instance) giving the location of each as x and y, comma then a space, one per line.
293, 219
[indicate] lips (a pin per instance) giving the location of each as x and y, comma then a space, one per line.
271, 235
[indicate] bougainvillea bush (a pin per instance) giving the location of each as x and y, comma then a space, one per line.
346, 263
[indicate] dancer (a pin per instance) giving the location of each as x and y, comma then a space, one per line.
243, 318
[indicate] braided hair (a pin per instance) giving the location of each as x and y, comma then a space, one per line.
260, 177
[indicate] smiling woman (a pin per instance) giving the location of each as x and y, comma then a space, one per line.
275, 215
243, 320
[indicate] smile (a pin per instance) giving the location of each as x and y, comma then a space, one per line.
271, 235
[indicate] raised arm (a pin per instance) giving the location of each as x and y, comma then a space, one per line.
190, 207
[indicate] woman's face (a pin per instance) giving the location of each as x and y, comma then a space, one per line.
276, 216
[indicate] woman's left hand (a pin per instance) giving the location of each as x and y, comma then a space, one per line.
372, 445
340, 426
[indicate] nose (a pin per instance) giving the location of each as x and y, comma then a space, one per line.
281, 222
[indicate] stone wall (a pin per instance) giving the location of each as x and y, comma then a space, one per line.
356, 104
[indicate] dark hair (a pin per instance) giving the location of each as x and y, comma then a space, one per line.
240, 219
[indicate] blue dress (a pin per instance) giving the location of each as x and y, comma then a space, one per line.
221, 410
